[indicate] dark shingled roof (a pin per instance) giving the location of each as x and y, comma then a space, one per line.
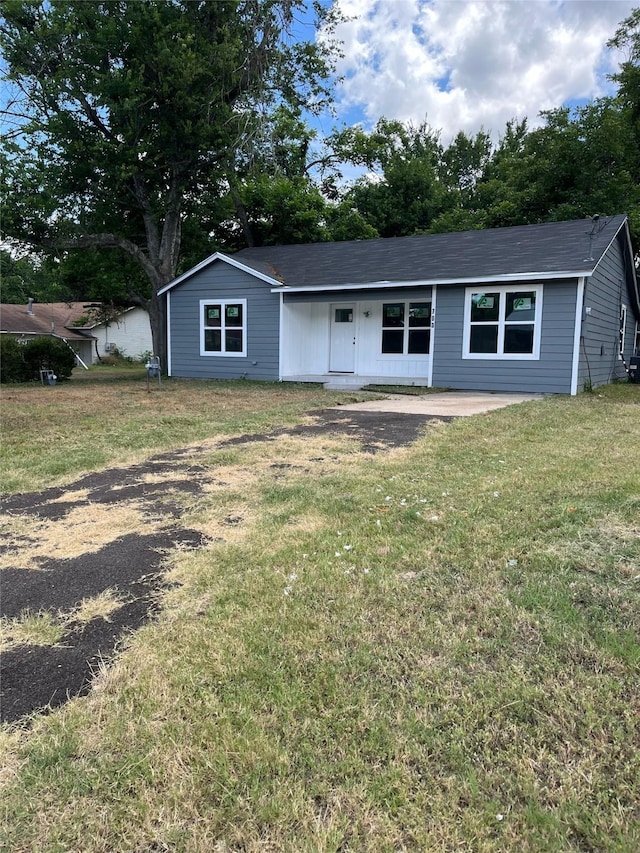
552, 247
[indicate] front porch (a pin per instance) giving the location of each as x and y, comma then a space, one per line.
363, 341
353, 382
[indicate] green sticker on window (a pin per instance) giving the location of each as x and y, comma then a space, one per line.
522, 303
213, 313
483, 301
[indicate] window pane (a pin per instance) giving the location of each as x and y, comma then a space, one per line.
485, 307
233, 340
212, 315
419, 314
419, 341
521, 306
233, 315
212, 340
393, 314
392, 340
344, 315
484, 339
518, 338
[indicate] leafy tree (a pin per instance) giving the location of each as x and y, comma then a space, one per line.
133, 112
21, 278
402, 193
627, 37
272, 197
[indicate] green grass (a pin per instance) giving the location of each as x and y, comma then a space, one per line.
433, 649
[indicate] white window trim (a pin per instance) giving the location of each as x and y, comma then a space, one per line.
223, 305
623, 331
405, 339
501, 356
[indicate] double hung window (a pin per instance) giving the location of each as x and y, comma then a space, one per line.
503, 322
406, 328
223, 327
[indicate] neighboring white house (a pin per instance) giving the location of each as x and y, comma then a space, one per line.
82, 326
127, 333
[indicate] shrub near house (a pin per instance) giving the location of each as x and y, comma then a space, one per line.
23, 362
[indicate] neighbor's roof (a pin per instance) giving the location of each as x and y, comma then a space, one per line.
552, 249
48, 318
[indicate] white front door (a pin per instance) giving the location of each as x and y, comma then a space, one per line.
343, 338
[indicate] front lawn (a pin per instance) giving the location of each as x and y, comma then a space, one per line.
432, 649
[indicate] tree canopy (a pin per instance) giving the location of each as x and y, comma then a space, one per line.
164, 130
130, 113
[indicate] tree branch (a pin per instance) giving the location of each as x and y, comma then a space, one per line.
111, 241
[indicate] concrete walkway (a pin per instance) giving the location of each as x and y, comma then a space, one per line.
445, 404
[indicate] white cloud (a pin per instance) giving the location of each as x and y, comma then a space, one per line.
467, 64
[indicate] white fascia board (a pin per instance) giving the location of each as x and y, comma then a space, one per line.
388, 285
227, 259
622, 224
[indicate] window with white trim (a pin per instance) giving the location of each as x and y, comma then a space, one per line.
502, 322
623, 326
406, 328
223, 327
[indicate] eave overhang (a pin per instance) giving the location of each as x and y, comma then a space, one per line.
425, 282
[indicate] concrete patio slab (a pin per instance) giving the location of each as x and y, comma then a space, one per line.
445, 404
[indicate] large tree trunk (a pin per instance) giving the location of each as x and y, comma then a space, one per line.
158, 319
159, 269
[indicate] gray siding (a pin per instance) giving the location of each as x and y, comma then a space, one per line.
219, 280
551, 373
605, 291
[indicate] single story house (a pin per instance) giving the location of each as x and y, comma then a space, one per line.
82, 326
544, 308
127, 331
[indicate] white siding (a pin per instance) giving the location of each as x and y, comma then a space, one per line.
130, 333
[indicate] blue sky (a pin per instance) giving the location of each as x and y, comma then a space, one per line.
472, 64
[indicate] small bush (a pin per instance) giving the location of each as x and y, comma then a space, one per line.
23, 362
12, 363
49, 354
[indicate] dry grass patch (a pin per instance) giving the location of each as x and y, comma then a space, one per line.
98, 606
51, 435
36, 629
84, 530
47, 629
71, 496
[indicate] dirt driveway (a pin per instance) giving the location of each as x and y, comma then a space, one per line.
91, 555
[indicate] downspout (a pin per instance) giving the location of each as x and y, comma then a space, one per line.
577, 332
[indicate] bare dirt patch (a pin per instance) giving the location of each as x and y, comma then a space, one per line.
108, 536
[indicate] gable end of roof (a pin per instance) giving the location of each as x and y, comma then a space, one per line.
227, 259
